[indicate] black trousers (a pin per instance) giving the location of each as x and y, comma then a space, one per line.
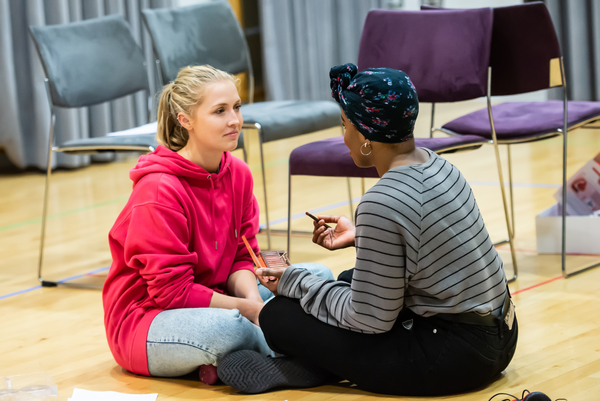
433, 357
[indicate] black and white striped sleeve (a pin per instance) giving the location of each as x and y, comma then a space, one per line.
421, 244
373, 301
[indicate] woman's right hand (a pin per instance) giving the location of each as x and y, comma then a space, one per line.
340, 236
250, 309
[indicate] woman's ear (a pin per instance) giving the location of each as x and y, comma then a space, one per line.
184, 121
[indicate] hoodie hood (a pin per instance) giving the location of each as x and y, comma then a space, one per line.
164, 160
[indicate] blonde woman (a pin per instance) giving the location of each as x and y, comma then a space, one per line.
181, 292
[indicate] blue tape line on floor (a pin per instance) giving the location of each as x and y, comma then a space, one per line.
64, 280
20, 292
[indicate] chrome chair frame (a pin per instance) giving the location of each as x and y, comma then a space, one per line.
72, 150
561, 131
509, 217
92, 145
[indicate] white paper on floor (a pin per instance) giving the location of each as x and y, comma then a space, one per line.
87, 395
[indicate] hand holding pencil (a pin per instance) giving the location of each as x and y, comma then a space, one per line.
342, 236
269, 277
316, 219
260, 262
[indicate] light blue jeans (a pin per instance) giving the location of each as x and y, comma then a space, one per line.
180, 340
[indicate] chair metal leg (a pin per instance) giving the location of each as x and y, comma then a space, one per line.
501, 178
350, 200
47, 283
510, 189
245, 151
563, 250
45, 207
289, 224
262, 166
567, 275
564, 216
43, 282
564, 183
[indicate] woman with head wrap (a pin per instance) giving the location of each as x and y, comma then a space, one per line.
426, 310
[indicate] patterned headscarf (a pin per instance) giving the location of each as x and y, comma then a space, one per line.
381, 103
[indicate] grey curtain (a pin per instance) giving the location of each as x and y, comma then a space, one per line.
24, 111
577, 25
303, 39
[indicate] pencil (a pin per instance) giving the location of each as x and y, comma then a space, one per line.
251, 251
315, 219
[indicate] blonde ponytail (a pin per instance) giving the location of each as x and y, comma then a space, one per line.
184, 95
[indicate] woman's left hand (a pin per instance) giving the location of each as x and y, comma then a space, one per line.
269, 278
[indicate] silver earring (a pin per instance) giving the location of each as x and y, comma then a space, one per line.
364, 145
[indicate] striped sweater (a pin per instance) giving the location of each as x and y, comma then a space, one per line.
421, 244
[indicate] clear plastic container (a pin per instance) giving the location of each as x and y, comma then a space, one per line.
28, 387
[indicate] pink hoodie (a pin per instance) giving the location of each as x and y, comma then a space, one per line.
177, 241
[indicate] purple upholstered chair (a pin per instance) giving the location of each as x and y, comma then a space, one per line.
446, 54
525, 57
330, 158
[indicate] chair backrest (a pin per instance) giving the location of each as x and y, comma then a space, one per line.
525, 52
90, 62
207, 33
524, 43
445, 53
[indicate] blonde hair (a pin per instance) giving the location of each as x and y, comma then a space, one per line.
184, 95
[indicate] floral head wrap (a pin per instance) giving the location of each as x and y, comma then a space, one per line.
381, 103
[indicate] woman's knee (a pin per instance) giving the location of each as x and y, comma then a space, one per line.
316, 269
194, 324
278, 321
181, 340
232, 331
269, 315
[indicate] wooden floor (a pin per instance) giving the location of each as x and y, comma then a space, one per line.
60, 330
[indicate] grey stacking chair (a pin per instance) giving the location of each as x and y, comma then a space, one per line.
88, 63
210, 34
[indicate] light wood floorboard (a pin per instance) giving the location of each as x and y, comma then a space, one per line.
60, 330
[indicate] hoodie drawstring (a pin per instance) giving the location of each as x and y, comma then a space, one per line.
235, 229
212, 205
212, 208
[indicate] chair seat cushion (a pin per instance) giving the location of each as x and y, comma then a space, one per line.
522, 120
450, 144
289, 118
143, 142
331, 157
